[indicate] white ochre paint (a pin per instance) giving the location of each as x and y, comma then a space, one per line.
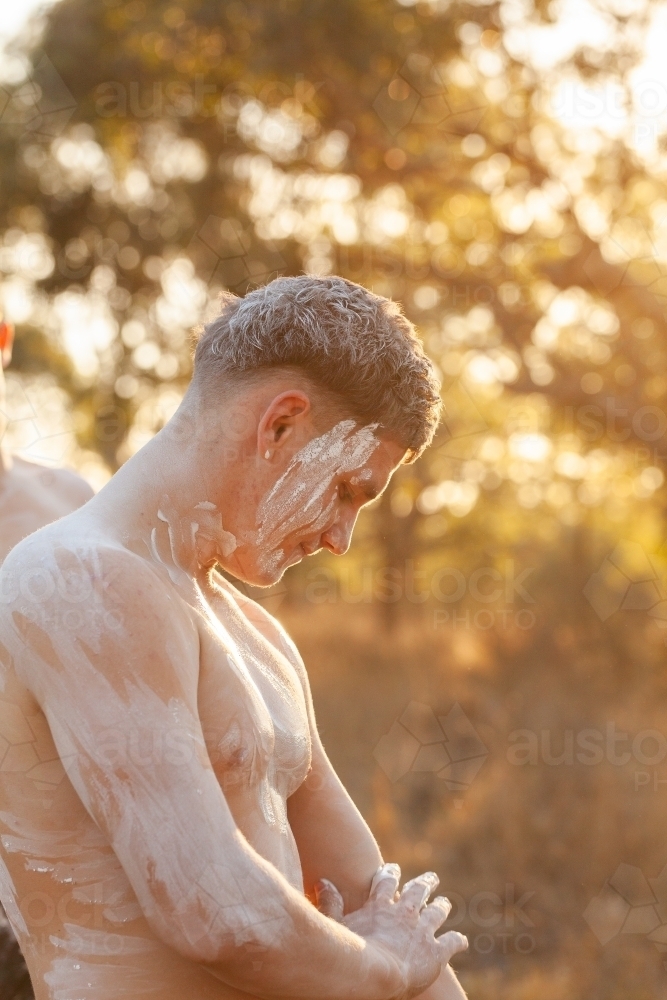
199, 886
81, 859
300, 499
187, 893
129, 970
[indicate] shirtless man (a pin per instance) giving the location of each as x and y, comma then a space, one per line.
30, 497
168, 815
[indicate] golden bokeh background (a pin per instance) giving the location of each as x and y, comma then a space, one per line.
488, 661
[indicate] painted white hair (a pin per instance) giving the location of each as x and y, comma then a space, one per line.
352, 343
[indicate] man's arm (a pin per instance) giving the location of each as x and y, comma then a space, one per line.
446, 987
333, 838
335, 842
203, 889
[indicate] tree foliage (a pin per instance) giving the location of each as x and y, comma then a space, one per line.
153, 154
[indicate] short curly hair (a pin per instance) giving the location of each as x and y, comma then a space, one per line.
355, 345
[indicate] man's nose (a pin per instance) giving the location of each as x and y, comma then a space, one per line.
337, 538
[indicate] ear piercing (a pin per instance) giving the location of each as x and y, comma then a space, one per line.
267, 454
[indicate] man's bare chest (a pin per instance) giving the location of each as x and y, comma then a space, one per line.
251, 705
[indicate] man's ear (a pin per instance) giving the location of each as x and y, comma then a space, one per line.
281, 421
6, 343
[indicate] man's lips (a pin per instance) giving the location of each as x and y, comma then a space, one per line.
301, 551
309, 548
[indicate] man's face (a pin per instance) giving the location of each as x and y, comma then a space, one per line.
315, 502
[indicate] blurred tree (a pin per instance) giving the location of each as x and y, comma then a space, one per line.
497, 171
414, 148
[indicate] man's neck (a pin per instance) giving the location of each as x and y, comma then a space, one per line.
158, 500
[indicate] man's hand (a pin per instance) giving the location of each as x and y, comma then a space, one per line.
401, 924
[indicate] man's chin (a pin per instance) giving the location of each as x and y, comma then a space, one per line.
274, 568
270, 571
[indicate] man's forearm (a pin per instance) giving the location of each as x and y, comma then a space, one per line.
333, 839
302, 954
446, 987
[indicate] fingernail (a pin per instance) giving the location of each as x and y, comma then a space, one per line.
464, 940
390, 869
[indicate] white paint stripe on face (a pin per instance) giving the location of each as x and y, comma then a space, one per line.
297, 501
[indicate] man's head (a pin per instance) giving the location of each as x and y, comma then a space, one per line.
332, 391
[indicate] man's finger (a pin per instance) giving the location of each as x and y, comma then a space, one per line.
329, 900
435, 914
451, 944
385, 882
417, 890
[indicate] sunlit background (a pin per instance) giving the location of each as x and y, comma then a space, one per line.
488, 662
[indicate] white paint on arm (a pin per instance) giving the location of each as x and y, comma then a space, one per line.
166, 821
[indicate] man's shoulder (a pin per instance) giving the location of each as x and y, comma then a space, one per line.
67, 593
74, 562
71, 598
68, 486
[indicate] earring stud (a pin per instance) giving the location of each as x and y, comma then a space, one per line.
267, 454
